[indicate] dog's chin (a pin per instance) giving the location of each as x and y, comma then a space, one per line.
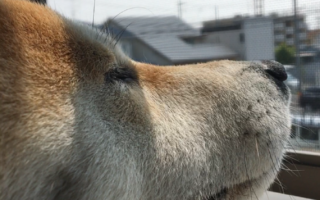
250, 189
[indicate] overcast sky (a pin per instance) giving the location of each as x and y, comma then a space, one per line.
193, 11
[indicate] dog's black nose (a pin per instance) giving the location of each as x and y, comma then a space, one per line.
275, 69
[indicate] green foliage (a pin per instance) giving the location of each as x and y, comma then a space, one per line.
285, 54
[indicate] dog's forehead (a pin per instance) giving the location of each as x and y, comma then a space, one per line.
39, 35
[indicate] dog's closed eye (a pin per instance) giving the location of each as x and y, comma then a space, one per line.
123, 74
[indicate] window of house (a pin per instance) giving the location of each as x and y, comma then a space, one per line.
289, 36
289, 23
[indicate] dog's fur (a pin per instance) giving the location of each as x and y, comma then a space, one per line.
80, 120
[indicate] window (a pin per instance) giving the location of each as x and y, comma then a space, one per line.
289, 23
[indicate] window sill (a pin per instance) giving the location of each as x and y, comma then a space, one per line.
300, 175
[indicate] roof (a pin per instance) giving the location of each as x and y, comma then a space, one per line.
116, 31
179, 51
156, 25
235, 22
288, 17
228, 24
164, 35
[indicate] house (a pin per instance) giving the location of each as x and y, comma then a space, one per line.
251, 33
284, 30
163, 41
251, 37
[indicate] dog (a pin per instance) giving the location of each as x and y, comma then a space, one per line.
80, 120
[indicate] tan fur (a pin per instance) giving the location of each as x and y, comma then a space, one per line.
71, 127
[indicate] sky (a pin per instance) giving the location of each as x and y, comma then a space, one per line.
193, 11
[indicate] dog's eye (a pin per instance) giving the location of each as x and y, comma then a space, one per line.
126, 75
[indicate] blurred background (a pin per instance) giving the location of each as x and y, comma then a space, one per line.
177, 32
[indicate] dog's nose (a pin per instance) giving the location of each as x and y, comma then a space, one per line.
275, 69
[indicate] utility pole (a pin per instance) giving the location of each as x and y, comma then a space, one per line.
258, 7
180, 8
216, 12
73, 11
297, 41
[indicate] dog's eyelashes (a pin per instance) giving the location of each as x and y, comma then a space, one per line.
126, 75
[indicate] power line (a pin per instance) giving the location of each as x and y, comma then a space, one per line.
204, 12
297, 41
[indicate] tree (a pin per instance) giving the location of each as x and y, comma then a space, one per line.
285, 54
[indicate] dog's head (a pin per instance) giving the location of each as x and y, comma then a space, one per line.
80, 120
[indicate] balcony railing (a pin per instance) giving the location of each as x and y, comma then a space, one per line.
290, 42
279, 26
289, 30
279, 38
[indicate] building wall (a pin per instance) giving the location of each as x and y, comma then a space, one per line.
259, 38
254, 40
231, 39
283, 32
316, 41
